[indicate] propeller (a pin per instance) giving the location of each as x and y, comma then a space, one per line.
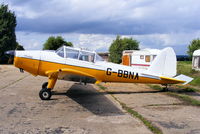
10, 52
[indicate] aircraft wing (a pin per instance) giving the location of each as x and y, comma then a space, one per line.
72, 75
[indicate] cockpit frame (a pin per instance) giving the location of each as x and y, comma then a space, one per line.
78, 54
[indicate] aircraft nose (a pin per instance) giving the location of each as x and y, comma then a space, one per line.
10, 52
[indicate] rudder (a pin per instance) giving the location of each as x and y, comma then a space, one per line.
164, 64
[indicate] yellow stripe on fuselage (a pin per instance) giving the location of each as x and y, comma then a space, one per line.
39, 67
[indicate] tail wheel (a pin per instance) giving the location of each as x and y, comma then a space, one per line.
45, 94
166, 87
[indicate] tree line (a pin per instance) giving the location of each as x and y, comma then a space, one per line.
7, 33
8, 40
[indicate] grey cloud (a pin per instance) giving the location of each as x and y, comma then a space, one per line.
131, 17
141, 18
57, 25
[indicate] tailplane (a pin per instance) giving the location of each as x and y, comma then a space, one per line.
184, 78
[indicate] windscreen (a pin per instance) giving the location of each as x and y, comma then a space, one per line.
60, 52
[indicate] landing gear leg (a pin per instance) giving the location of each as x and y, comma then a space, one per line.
165, 88
45, 93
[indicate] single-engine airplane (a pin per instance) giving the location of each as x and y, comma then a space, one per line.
75, 64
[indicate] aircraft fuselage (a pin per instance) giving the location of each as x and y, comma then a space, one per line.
39, 62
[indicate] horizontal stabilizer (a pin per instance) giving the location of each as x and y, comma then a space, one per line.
184, 78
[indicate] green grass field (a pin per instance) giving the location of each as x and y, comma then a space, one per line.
185, 67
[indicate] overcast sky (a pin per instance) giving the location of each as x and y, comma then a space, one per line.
94, 24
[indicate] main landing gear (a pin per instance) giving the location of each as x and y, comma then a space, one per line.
45, 93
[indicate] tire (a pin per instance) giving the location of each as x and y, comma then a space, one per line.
45, 94
44, 85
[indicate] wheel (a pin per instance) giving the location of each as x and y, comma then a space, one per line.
44, 85
45, 94
165, 89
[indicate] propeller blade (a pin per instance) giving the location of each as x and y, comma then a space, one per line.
10, 52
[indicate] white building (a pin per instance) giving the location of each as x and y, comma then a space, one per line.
139, 59
196, 60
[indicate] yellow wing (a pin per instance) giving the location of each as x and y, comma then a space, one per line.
72, 75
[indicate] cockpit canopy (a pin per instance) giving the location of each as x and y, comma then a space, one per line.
79, 54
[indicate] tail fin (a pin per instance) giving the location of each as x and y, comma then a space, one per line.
164, 64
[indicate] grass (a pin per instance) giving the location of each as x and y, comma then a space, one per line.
186, 89
156, 87
196, 81
101, 87
178, 88
185, 67
164, 104
134, 113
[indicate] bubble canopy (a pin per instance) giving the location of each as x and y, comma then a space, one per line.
78, 54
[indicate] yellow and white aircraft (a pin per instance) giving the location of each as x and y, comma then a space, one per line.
79, 65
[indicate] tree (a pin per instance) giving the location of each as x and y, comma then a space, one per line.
194, 45
54, 43
19, 47
119, 45
7, 32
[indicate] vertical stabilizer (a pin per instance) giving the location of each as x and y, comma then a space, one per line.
164, 64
